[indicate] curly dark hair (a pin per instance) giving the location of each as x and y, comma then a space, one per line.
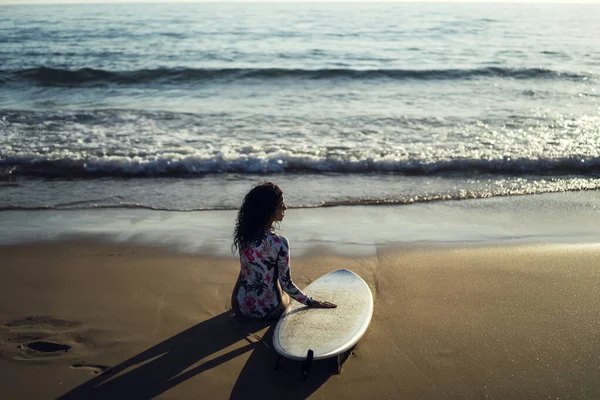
256, 212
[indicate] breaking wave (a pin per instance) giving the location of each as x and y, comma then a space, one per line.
195, 166
45, 76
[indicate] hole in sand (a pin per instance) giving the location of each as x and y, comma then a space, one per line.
47, 347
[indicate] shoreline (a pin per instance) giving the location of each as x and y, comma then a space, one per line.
354, 230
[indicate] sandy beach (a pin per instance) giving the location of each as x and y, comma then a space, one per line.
477, 321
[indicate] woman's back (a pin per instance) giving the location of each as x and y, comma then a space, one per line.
263, 267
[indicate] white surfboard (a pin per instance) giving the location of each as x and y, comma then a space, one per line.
327, 332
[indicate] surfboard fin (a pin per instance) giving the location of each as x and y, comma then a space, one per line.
306, 365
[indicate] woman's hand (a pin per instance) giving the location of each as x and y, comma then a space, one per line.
322, 304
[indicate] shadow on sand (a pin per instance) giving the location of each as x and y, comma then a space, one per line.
259, 379
161, 367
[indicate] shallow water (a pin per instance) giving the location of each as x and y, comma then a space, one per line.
346, 230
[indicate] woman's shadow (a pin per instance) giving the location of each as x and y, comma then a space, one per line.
259, 378
165, 365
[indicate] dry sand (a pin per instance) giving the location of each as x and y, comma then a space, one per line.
503, 322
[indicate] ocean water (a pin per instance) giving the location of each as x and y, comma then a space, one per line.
186, 106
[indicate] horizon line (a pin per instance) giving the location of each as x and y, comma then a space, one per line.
56, 2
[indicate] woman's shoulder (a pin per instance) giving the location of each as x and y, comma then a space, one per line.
278, 239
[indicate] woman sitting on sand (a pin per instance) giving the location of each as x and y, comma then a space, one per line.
264, 258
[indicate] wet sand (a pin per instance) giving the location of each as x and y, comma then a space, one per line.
486, 321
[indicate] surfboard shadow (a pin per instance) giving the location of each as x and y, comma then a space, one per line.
161, 367
259, 378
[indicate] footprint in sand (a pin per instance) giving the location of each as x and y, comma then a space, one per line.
37, 337
93, 368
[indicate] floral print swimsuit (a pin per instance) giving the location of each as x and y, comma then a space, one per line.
261, 266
